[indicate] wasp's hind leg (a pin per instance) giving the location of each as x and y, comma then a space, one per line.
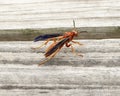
49, 58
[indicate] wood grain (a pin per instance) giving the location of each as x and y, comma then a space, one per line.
96, 74
58, 13
100, 52
57, 81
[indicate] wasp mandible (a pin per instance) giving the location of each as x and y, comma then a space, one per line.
59, 40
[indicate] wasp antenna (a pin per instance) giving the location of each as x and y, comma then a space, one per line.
74, 24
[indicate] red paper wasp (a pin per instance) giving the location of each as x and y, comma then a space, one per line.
59, 40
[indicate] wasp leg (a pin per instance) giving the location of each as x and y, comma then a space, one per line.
77, 42
73, 50
38, 47
49, 58
45, 43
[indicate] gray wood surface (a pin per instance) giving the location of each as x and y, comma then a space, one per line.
96, 74
17, 14
59, 81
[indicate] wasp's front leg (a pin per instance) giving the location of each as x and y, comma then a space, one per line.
73, 50
77, 42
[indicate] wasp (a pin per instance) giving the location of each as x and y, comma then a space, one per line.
59, 40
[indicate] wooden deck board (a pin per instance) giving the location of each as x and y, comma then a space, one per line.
58, 13
55, 80
95, 52
96, 74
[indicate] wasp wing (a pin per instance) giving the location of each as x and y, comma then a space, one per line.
57, 46
46, 36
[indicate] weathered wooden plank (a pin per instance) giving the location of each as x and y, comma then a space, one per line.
89, 59
70, 92
30, 34
62, 80
58, 13
102, 45
64, 75
96, 53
